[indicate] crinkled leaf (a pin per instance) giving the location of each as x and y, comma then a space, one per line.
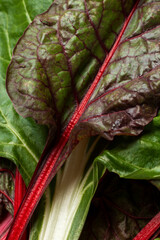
59, 55
61, 51
137, 157
21, 140
120, 208
127, 96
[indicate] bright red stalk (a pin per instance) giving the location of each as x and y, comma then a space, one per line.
20, 190
42, 178
147, 232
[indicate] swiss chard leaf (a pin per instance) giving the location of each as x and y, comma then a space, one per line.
127, 95
21, 140
120, 208
137, 157
54, 62
61, 51
59, 55
52, 67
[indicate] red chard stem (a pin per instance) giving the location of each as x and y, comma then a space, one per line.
20, 190
147, 232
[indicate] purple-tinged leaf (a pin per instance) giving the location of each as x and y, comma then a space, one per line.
6, 186
128, 94
59, 55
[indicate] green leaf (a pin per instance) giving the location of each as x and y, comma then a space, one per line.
136, 157
21, 140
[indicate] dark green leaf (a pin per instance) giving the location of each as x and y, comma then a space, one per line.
120, 208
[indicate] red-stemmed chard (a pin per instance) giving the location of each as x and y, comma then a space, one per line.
102, 110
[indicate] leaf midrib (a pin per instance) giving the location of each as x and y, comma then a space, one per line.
27, 13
